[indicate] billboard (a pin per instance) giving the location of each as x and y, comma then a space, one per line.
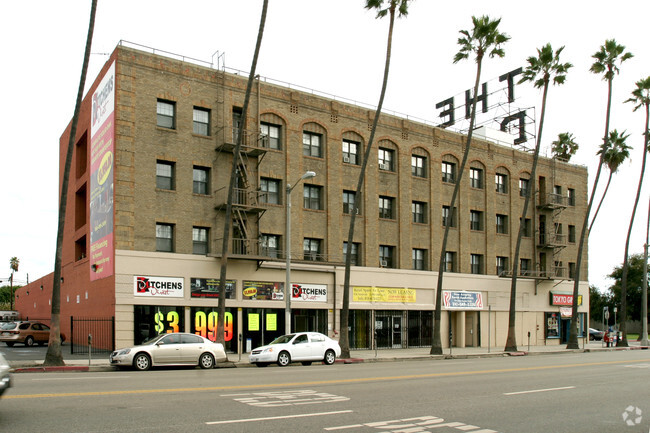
102, 155
462, 300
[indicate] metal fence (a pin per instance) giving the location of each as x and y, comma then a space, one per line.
102, 330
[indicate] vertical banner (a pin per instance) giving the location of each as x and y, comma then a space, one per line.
102, 150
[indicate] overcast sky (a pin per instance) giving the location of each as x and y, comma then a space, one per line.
333, 46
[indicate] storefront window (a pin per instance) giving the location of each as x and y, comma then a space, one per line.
152, 320
552, 325
420, 325
261, 326
360, 329
305, 320
203, 322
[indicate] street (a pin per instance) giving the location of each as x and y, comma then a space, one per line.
577, 392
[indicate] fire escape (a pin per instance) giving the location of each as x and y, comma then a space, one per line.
551, 237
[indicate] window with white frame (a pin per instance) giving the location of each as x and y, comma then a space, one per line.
476, 177
476, 263
270, 245
164, 237
501, 181
200, 180
524, 184
312, 197
311, 144
475, 220
271, 134
351, 151
201, 121
166, 114
200, 240
386, 157
348, 201
448, 172
386, 253
418, 166
165, 175
312, 249
419, 257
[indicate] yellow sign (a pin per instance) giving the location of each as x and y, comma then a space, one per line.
271, 322
383, 294
253, 322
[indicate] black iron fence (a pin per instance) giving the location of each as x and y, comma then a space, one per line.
102, 330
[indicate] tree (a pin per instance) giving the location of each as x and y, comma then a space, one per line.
53, 355
614, 152
13, 265
564, 147
401, 6
484, 38
540, 70
641, 97
606, 60
236, 160
597, 302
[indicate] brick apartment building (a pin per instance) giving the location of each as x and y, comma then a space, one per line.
146, 208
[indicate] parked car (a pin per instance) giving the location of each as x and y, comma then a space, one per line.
305, 347
595, 334
170, 349
5, 377
27, 333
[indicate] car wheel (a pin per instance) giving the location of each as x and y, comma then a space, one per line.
10, 344
29, 341
206, 361
306, 362
142, 362
262, 364
330, 357
284, 359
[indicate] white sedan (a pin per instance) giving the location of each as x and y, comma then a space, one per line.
304, 347
170, 349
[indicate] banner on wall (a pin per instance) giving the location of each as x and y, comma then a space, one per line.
383, 294
263, 290
168, 287
102, 135
309, 292
565, 299
209, 288
462, 300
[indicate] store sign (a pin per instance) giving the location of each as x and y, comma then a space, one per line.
167, 287
462, 300
563, 299
209, 288
263, 290
309, 292
383, 294
566, 312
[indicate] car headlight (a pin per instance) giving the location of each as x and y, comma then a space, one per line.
124, 352
268, 350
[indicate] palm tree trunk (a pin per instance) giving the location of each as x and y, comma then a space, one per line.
233, 179
623, 326
511, 341
600, 203
436, 344
53, 355
573, 333
344, 340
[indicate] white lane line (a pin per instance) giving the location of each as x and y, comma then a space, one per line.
538, 390
302, 415
82, 378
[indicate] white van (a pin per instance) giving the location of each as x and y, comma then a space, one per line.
9, 316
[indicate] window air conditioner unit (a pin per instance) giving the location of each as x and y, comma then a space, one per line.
384, 166
384, 263
346, 159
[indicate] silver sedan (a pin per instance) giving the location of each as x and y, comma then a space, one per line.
170, 349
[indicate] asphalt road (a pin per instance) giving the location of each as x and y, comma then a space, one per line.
577, 392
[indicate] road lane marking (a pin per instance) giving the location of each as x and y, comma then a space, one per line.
418, 424
286, 398
81, 378
538, 390
302, 415
315, 382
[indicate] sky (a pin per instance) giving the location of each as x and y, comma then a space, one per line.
335, 47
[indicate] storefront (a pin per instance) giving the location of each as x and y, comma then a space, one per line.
558, 323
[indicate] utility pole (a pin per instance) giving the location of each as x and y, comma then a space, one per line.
644, 291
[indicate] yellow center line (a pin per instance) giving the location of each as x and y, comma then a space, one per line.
317, 382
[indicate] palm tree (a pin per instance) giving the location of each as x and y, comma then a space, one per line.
641, 97
233, 181
13, 265
540, 71
401, 6
615, 152
606, 62
53, 355
564, 147
484, 38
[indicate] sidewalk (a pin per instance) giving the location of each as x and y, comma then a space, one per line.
357, 356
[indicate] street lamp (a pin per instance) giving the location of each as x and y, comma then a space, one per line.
287, 252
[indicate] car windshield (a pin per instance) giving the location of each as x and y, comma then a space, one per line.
152, 340
284, 339
8, 325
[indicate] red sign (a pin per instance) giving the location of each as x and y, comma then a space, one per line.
564, 299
